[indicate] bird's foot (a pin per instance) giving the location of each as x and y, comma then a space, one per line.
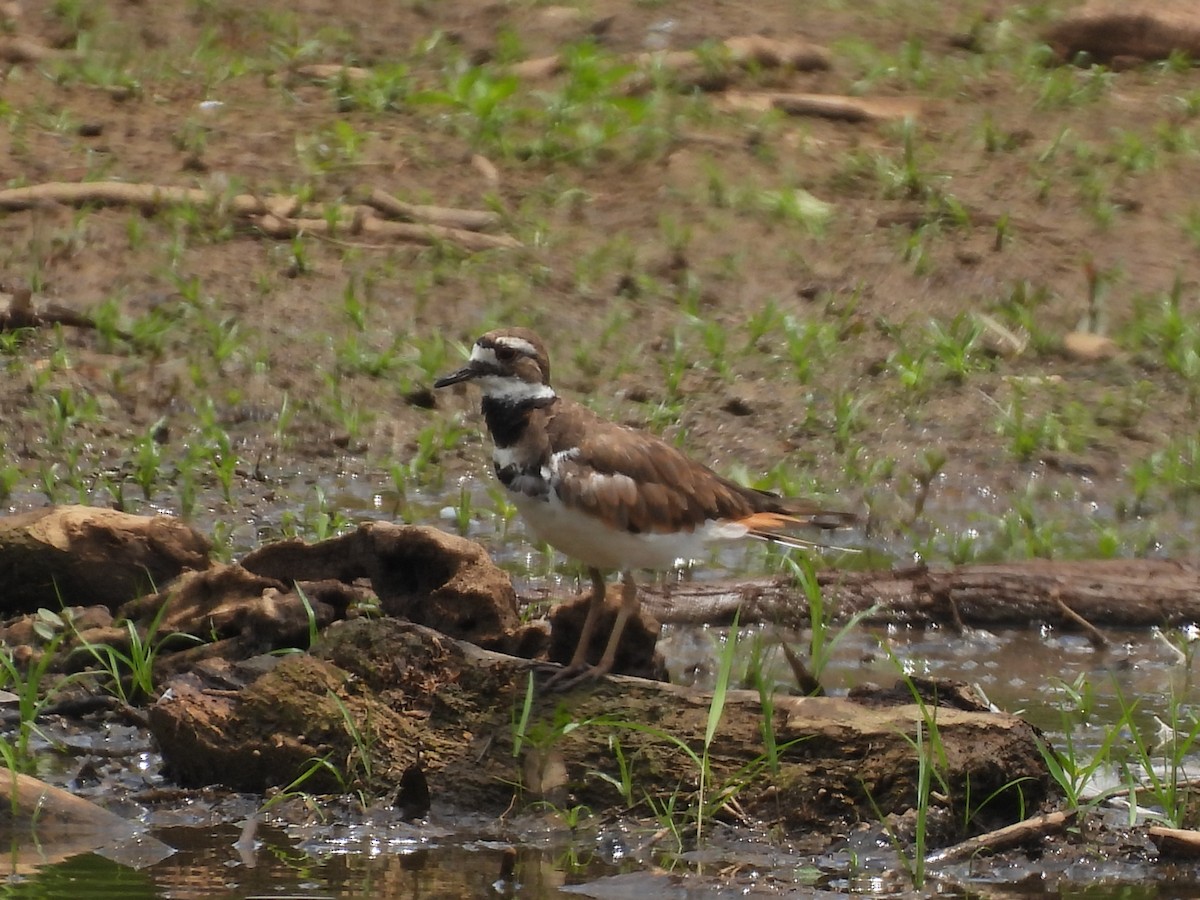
541, 668
569, 677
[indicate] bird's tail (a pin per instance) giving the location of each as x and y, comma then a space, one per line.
781, 527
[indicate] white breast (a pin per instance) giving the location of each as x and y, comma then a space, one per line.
589, 540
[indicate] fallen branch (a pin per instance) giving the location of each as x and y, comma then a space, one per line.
745, 52
809, 686
331, 72
834, 752
826, 106
695, 67
486, 168
1013, 835
22, 314
1131, 30
1175, 841
22, 50
146, 197
918, 218
1095, 638
450, 217
1122, 593
769, 53
273, 215
361, 223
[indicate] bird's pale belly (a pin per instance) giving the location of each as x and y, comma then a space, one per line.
589, 540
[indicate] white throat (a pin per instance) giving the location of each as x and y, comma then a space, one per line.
513, 390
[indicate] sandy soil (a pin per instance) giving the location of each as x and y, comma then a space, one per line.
648, 255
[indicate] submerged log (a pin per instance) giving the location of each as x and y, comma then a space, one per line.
44, 824
407, 695
1118, 593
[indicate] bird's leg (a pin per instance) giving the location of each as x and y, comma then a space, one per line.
595, 604
629, 603
579, 661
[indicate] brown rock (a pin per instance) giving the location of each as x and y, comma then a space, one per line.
1086, 346
82, 555
90, 616
419, 573
1109, 31
229, 602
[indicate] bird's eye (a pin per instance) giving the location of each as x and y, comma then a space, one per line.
506, 354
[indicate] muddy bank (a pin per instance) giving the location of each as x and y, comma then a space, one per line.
417, 698
413, 696
423, 723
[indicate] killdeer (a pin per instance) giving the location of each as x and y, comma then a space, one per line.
612, 497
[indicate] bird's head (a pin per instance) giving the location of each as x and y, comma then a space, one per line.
509, 365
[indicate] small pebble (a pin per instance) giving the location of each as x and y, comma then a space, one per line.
1088, 347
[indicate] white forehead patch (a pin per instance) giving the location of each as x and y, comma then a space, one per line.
483, 354
519, 344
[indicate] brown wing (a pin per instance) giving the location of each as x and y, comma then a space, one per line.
642, 484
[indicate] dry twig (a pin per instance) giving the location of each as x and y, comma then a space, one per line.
274, 215
450, 217
826, 106
21, 313
1013, 835
22, 50
359, 224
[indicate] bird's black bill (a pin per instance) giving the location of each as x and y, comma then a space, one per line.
466, 373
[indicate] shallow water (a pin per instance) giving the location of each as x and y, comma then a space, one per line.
1042, 674
349, 854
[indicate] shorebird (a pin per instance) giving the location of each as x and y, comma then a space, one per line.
614, 498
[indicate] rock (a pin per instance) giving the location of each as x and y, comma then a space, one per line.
1120, 31
235, 613
1088, 347
419, 573
83, 555
89, 616
999, 339
25, 629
